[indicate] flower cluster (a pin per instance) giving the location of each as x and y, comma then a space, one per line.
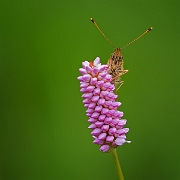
99, 99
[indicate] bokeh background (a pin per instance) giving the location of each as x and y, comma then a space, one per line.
43, 127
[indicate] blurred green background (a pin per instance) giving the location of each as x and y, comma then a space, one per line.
43, 127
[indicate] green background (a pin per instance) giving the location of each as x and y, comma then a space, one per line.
43, 127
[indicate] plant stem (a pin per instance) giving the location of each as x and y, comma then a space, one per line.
116, 160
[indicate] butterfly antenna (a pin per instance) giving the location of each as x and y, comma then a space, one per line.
149, 29
92, 20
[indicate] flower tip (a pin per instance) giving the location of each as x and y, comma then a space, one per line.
96, 61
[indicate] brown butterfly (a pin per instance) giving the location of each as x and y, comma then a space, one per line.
115, 62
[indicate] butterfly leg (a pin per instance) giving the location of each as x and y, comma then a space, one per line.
124, 71
120, 74
120, 84
109, 62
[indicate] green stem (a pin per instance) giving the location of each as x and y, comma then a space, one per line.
116, 160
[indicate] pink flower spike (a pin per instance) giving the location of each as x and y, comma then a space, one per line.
100, 100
